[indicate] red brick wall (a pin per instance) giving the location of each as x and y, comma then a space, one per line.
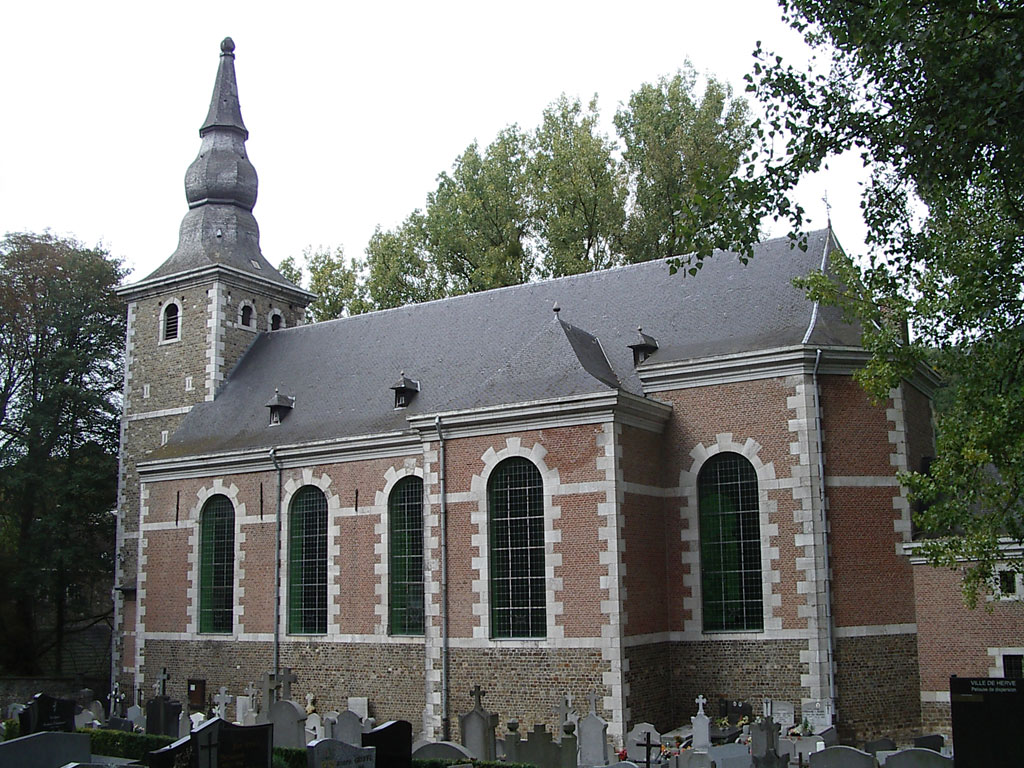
645, 559
856, 430
581, 569
165, 602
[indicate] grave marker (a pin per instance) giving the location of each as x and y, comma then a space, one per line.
331, 753
348, 727
221, 701
918, 757
477, 728
842, 757
360, 705
639, 742
393, 741
46, 713
701, 727
220, 744
593, 736
289, 722
162, 716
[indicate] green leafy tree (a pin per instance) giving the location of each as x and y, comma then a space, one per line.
400, 268
337, 284
61, 372
932, 96
479, 219
579, 191
680, 152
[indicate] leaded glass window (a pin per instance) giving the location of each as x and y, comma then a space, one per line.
405, 523
515, 495
217, 565
307, 562
730, 545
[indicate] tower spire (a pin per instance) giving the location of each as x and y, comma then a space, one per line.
221, 187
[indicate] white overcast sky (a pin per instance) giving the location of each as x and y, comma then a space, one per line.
352, 108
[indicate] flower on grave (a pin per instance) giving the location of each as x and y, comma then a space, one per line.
622, 754
743, 721
722, 722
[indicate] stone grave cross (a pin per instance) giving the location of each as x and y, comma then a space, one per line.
251, 690
162, 682
222, 700
287, 678
270, 685
701, 728
477, 693
700, 701
648, 745
592, 698
310, 706
562, 710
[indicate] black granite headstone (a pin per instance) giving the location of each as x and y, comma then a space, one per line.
220, 744
986, 714
393, 741
119, 724
162, 715
45, 713
932, 741
176, 755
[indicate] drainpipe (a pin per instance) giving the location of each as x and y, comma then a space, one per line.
446, 724
277, 569
824, 528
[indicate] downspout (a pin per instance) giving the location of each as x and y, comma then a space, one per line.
446, 724
277, 570
824, 526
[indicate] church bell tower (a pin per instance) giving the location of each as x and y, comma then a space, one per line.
190, 321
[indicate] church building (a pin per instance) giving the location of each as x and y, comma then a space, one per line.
643, 485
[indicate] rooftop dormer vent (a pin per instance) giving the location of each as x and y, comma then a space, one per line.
644, 347
279, 406
405, 390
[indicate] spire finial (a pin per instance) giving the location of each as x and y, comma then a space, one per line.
227, 45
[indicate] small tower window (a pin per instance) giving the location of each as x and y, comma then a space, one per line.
170, 325
246, 316
276, 321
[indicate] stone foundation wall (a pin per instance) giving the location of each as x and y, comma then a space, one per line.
877, 687
935, 718
750, 670
648, 675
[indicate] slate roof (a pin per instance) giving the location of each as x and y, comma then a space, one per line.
507, 346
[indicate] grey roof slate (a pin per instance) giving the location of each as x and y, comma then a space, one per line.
505, 346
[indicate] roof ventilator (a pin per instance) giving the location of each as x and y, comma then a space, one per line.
279, 406
405, 390
644, 347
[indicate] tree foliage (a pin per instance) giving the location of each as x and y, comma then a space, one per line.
679, 149
336, 283
61, 374
931, 94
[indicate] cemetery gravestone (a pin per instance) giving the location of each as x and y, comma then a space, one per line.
243, 706
818, 715
730, 756
701, 727
360, 705
136, 715
443, 750
933, 741
879, 744
638, 739
348, 728
289, 722
176, 755
986, 714
45, 748
331, 753
477, 728
314, 727
764, 745
122, 724
393, 741
220, 744
45, 713
162, 716
221, 701
593, 736
842, 757
918, 758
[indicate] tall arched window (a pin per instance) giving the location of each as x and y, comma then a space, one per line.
245, 316
307, 562
515, 495
217, 565
170, 326
730, 545
405, 524
276, 321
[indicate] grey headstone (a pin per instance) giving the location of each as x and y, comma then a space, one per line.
593, 740
197, 718
782, 712
136, 715
13, 710
443, 750
538, 748
46, 749
162, 716
119, 724
184, 725
360, 705
918, 757
883, 744
477, 729
842, 757
347, 727
314, 725
98, 713
818, 714
243, 705
830, 736
84, 719
173, 755
331, 753
635, 752
731, 756
289, 721
625, 764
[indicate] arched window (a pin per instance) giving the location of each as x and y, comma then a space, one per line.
276, 321
246, 316
405, 535
730, 545
170, 325
217, 565
307, 562
515, 495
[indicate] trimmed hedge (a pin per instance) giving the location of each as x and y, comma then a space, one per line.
289, 757
135, 746
12, 728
